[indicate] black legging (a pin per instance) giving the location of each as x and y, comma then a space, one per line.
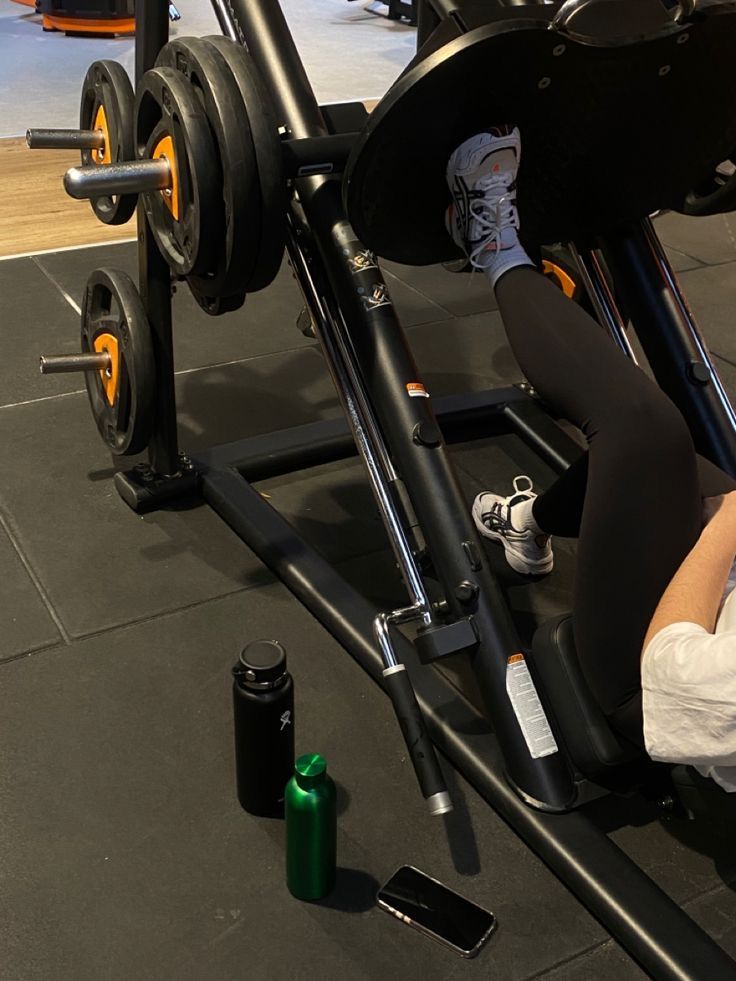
634, 499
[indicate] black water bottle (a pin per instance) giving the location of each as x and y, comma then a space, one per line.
263, 698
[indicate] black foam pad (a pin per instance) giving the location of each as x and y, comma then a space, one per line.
610, 134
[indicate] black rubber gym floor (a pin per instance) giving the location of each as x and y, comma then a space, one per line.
123, 851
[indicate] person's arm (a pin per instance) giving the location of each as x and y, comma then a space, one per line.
695, 593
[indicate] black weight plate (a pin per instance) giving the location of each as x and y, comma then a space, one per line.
215, 306
168, 108
264, 128
208, 72
107, 86
122, 399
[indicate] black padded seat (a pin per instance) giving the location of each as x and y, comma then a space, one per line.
702, 797
591, 743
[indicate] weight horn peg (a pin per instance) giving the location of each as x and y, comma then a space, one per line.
117, 360
65, 139
135, 177
105, 135
67, 363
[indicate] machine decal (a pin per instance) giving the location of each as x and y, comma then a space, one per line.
416, 390
362, 260
374, 297
530, 715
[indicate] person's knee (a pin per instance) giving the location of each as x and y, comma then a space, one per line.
650, 424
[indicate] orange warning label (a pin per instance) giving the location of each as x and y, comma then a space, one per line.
515, 658
417, 390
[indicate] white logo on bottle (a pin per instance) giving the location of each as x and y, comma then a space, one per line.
285, 719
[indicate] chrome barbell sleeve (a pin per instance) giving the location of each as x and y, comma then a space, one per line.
75, 362
106, 180
65, 139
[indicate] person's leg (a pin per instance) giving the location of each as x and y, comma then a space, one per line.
641, 506
641, 510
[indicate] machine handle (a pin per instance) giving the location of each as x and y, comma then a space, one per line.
420, 746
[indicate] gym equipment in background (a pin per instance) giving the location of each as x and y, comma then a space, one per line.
576, 76
89, 17
106, 17
403, 10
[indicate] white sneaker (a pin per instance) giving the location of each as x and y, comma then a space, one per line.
527, 551
481, 175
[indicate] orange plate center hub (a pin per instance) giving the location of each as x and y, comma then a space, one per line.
108, 344
102, 156
164, 149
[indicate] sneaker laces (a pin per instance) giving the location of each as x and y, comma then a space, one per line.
493, 217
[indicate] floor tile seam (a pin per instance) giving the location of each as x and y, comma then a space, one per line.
722, 357
451, 318
7, 526
414, 289
182, 371
255, 357
166, 614
32, 652
569, 960
68, 248
68, 299
699, 263
724, 883
702, 264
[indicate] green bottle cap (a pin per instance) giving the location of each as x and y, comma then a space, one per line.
310, 770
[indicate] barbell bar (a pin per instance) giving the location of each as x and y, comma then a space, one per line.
302, 158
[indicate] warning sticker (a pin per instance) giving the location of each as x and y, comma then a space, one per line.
417, 391
529, 712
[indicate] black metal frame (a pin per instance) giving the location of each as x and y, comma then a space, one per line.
525, 792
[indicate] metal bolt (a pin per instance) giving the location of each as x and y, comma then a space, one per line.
466, 591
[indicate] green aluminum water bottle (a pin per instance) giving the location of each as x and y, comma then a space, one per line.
311, 829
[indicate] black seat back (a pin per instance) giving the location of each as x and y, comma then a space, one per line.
590, 742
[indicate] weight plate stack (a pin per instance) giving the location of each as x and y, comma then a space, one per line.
228, 275
186, 218
108, 104
273, 193
114, 322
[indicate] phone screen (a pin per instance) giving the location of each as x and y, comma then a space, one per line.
433, 908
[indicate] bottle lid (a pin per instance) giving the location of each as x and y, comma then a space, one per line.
262, 664
311, 770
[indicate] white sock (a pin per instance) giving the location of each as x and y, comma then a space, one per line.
522, 517
505, 259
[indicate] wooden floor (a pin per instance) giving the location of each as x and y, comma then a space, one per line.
35, 212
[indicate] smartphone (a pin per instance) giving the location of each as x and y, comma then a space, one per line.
428, 906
